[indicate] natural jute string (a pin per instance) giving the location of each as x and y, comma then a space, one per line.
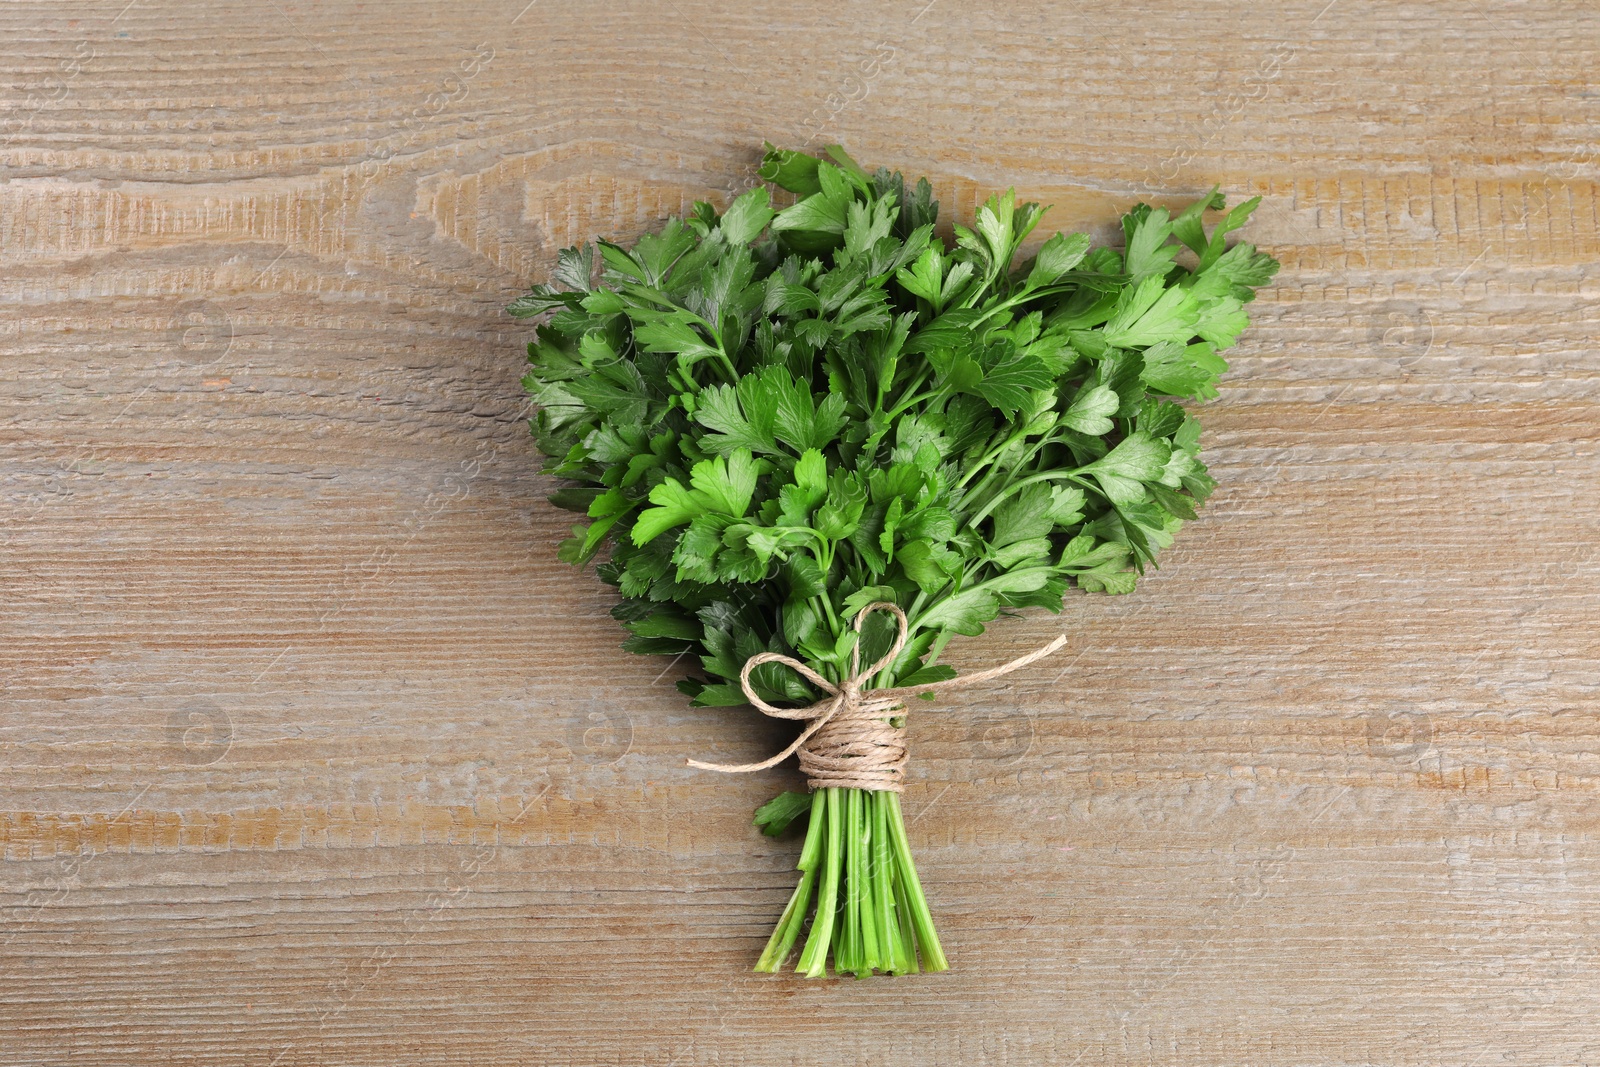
850, 743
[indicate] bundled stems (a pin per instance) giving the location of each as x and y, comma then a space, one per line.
770, 415
868, 910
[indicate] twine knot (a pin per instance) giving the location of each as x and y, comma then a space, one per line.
849, 741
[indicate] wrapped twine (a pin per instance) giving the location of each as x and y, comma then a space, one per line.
849, 742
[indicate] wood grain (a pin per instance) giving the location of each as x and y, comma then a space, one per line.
292, 774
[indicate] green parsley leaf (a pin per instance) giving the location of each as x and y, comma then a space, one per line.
747, 216
775, 815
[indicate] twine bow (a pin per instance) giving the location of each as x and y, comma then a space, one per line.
849, 741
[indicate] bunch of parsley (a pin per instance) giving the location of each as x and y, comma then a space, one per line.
776, 417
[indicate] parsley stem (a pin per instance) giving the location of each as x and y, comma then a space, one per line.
794, 916
811, 851
883, 888
857, 872
983, 464
1021, 297
908, 942
789, 926
1035, 449
1001, 495
826, 611
865, 896
814, 960
850, 954
932, 954
910, 394
918, 399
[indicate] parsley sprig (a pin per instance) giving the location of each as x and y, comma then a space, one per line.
774, 417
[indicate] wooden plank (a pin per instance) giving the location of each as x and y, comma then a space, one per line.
313, 752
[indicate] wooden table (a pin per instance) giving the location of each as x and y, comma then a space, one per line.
313, 753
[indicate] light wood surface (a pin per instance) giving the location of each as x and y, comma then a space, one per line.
312, 753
